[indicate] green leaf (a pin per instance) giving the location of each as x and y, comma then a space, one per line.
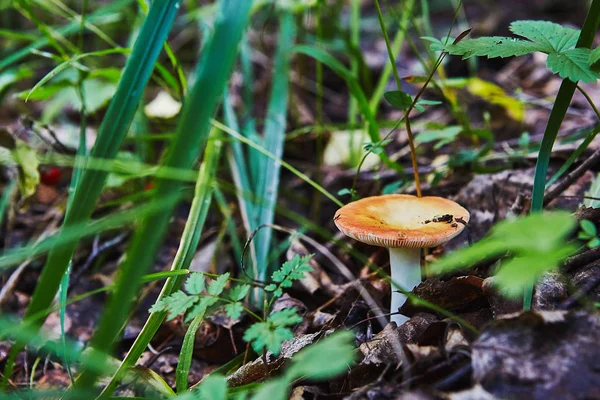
289, 272
325, 359
176, 304
572, 64
519, 273
234, 310
494, 46
238, 292
548, 34
595, 242
377, 147
201, 307
213, 387
534, 235
442, 136
594, 62
270, 334
588, 227
398, 99
216, 286
195, 283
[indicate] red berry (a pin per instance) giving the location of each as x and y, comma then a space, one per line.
50, 176
149, 186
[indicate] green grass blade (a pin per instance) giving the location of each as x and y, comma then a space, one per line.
213, 72
7, 194
355, 90
274, 137
559, 110
105, 14
185, 355
111, 133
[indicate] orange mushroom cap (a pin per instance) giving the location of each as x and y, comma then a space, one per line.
402, 220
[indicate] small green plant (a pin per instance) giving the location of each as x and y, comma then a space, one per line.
528, 247
204, 299
589, 234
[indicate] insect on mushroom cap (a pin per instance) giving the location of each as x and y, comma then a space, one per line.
402, 220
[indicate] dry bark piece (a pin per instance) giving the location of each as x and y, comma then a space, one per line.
550, 291
404, 224
540, 355
255, 370
384, 347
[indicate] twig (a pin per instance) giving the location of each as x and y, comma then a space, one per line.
571, 177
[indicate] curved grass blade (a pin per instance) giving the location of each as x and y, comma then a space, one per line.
274, 137
111, 133
103, 15
185, 355
212, 75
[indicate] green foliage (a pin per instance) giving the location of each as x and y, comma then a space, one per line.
270, 334
547, 37
589, 234
325, 359
595, 60
530, 246
289, 272
377, 147
442, 136
398, 99
197, 302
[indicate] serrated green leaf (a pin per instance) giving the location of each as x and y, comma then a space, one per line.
493, 46
201, 307
195, 283
549, 34
572, 64
176, 304
216, 286
234, 310
271, 333
594, 61
398, 99
238, 292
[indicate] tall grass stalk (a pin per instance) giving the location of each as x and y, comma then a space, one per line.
212, 74
559, 110
110, 135
274, 138
183, 258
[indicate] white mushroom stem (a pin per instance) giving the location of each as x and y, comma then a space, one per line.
405, 264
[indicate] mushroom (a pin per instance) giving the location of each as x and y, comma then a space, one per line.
404, 224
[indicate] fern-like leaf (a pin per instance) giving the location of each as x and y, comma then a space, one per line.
492, 47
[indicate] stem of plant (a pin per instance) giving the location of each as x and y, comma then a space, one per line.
559, 110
